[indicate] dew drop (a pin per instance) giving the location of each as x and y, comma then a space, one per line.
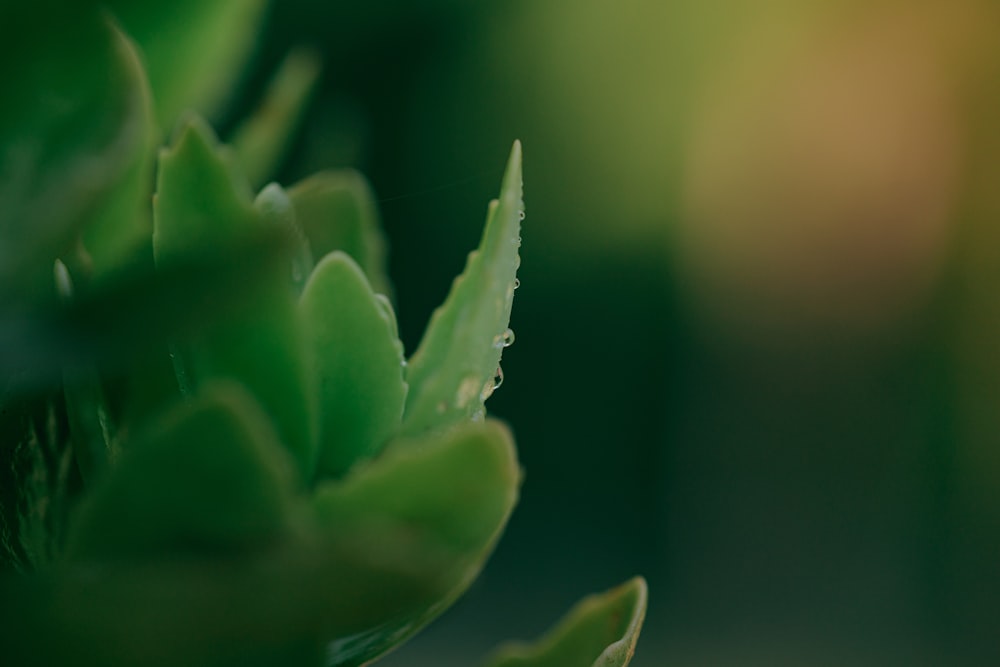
64, 282
492, 385
517, 283
508, 337
521, 215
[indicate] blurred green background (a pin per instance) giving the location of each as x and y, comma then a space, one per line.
758, 354
758, 336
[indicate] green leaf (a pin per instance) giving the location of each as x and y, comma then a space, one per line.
193, 49
202, 199
136, 311
123, 223
600, 631
262, 140
375, 558
208, 477
202, 203
38, 467
410, 532
276, 209
359, 362
452, 372
70, 127
337, 211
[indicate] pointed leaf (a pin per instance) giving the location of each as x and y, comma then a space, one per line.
410, 532
337, 211
208, 476
202, 200
202, 204
262, 140
452, 372
600, 631
359, 362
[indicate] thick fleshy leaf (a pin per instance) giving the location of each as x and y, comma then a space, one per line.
208, 477
601, 631
410, 532
337, 211
376, 557
277, 211
202, 200
454, 369
359, 363
70, 127
193, 49
202, 204
263, 139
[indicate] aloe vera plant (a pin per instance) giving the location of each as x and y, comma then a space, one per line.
215, 451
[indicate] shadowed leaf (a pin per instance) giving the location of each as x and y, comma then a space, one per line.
73, 120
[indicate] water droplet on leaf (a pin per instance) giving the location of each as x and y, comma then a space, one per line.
492, 385
508, 337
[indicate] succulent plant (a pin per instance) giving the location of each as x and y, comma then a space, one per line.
214, 451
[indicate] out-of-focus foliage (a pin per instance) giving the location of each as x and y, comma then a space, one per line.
214, 450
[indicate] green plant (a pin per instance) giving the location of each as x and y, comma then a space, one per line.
214, 450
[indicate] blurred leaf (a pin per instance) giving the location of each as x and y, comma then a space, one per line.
92, 432
70, 128
45, 467
203, 203
193, 49
137, 310
262, 140
411, 531
380, 555
123, 222
337, 211
209, 476
452, 372
202, 199
360, 364
601, 631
